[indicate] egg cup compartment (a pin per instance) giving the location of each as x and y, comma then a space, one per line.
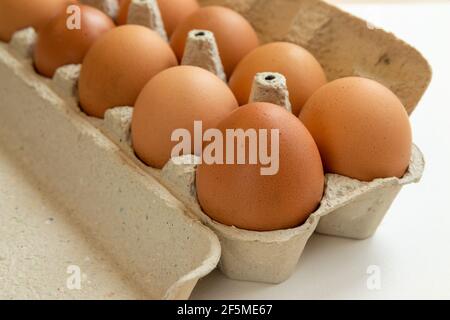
148, 232
100, 179
349, 208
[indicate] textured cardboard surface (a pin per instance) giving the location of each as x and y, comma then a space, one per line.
270, 87
40, 245
201, 51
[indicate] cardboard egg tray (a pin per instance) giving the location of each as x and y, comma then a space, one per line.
149, 220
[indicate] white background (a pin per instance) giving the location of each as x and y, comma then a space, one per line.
412, 246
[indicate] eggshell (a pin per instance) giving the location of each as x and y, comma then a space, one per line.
174, 99
118, 66
238, 195
57, 45
234, 35
361, 128
172, 12
303, 72
19, 14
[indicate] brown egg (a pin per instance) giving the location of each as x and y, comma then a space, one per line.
172, 12
361, 128
19, 14
57, 45
234, 35
239, 195
303, 72
118, 66
174, 99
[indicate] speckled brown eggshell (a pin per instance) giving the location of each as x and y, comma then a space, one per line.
57, 45
238, 195
118, 66
172, 11
174, 99
303, 72
19, 14
234, 35
361, 128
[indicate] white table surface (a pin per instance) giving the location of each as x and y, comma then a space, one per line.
412, 246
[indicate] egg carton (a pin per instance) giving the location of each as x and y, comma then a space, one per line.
91, 165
